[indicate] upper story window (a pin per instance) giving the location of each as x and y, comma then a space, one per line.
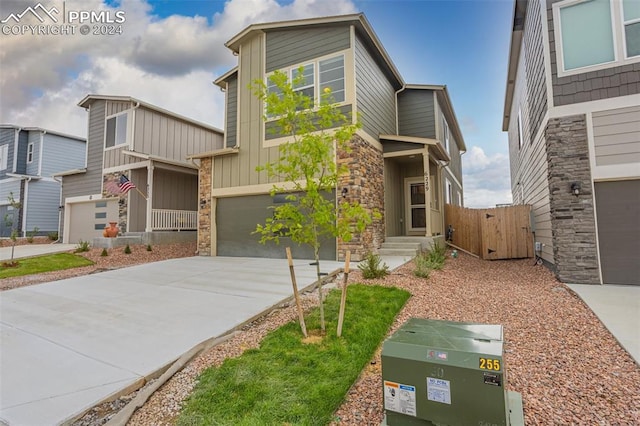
4, 153
116, 133
596, 34
30, 153
316, 77
519, 129
445, 134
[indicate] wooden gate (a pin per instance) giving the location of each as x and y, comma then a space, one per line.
498, 233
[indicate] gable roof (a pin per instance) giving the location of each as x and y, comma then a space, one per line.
89, 99
358, 20
40, 129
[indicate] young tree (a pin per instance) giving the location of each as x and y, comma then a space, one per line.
307, 164
9, 221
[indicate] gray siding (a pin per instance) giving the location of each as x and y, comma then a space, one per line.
90, 182
21, 166
536, 82
42, 206
170, 137
137, 221
616, 135
590, 86
290, 47
33, 168
231, 126
175, 190
8, 186
375, 96
416, 114
60, 154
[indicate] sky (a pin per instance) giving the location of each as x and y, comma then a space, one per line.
168, 52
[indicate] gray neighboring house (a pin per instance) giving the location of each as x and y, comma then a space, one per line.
29, 159
149, 146
572, 110
405, 161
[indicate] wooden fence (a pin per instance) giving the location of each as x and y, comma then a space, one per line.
499, 233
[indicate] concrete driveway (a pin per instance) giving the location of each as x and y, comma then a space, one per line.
67, 345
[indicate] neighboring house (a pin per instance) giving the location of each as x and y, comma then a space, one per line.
148, 145
404, 162
29, 158
572, 110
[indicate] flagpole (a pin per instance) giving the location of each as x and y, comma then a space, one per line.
140, 192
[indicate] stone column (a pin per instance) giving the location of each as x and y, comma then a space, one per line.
205, 173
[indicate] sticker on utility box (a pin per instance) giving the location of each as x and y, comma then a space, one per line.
400, 398
438, 390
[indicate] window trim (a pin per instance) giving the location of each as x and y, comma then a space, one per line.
4, 154
623, 34
127, 142
30, 149
445, 135
520, 135
619, 42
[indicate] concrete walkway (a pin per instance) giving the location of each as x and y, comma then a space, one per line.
31, 250
67, 345
618, 307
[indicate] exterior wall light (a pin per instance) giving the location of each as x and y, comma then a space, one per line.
344, 192
575, 188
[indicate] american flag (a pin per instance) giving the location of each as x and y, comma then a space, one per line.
125, 184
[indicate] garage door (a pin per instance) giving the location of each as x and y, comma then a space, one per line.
237, 218
618, 208
88, 219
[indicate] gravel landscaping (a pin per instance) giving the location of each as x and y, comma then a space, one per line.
567, 366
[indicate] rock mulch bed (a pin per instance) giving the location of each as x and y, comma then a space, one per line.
567, 366
116, 259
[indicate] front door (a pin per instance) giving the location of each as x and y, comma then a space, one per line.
416, 212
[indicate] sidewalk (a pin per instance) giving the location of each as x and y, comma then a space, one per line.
31, 250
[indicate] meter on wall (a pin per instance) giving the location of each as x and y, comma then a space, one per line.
447, 373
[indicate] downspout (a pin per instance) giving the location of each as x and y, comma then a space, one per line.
402, 89
15, 149
41, 152
133, 126
24, 205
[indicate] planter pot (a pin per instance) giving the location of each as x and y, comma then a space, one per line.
111, 231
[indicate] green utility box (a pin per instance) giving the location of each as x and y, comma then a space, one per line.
447, 373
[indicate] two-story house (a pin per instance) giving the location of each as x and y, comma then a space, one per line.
404, 161
29, 159
572, 110
149, 146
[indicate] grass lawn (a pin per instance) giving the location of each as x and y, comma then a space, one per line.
287, 381
36, 265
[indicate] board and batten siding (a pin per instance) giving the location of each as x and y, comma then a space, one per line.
60, 154
289, 47
21, 160
137, 207
455, 165
240, 169
176, 191
616, 136
375, 95
231, 125
416, 113
116, 107
42, 206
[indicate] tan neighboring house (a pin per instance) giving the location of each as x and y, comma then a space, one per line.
405, 161
149, 146
572, 110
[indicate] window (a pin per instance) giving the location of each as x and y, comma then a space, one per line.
596, 34
116, 130
30, 153
460, 198
631, 22
445, 134
449, 193
329, 75
519, 129
4, 153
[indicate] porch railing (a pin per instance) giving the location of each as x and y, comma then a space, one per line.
174, 220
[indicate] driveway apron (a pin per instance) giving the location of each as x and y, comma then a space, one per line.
69, 344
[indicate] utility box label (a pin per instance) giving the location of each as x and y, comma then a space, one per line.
400, 398
438, 390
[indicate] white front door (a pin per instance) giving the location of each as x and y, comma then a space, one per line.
415, 202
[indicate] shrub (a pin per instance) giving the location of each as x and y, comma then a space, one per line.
127, 249
149, 247
423, 267
31, 234
371, 267
53, 236
104, 252
427, 261
82, 247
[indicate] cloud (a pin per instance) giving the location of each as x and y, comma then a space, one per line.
169, 62
486, 178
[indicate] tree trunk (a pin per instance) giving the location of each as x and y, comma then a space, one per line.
320, 298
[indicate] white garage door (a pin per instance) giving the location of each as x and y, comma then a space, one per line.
88, 219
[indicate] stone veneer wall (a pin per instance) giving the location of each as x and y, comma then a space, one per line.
572, 217
365, 184
111, 189
204, 210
